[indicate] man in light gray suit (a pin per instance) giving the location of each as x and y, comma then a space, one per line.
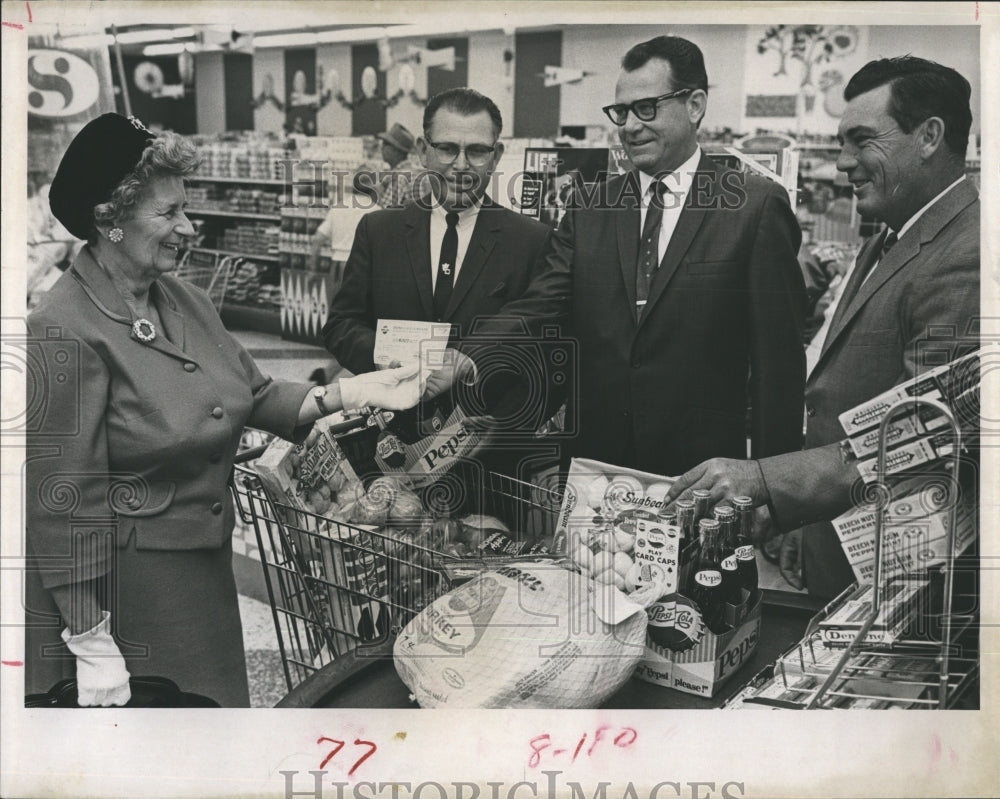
903, 137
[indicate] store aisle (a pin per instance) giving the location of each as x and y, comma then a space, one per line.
267, 680
288, 360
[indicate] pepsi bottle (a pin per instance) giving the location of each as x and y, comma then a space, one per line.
705, 586
746, 558
726, 517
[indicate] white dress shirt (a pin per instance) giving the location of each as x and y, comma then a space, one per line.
678, 183
913, 220
439, 225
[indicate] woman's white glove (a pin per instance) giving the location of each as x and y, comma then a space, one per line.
101, 677
392, 389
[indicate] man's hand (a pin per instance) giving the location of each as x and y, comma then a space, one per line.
457, 367
725, 478
790, 561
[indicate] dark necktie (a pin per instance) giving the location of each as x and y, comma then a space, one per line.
861, 271
648, 260
446, 267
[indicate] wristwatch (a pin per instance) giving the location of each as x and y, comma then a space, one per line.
319, 394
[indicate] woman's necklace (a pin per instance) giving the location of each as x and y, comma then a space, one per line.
143, 326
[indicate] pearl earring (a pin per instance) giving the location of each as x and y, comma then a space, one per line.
115, 235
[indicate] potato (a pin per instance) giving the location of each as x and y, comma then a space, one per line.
592, 492
603, 561
622, 563
406, 508
625, 542
619, 582
605, 577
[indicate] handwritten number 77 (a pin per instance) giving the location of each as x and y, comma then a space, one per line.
338, 745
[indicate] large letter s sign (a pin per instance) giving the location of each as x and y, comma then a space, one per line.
60, 84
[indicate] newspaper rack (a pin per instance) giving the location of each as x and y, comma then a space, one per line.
932, 668
303, 555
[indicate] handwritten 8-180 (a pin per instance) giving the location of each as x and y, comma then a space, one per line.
604, 736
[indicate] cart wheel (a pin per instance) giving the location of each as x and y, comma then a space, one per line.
318, 687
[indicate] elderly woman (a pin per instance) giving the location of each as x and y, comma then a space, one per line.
144, 397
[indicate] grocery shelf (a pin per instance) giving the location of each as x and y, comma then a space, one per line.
233, 214
255, 181
250, 256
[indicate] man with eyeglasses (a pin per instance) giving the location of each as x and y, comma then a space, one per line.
453, 255
687, 310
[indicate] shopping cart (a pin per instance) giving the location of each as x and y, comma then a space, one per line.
338, 590
208, 271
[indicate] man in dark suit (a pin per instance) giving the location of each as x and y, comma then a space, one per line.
687, 305
903, 136
453, 255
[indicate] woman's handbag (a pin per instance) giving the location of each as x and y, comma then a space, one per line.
147, 692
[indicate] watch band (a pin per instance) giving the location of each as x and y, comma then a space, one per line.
318, 394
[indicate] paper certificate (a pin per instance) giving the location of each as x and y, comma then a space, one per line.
407, 341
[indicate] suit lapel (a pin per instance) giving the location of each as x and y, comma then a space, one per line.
485, 236
688, 224
105, 296
626, 213
418, 246
906, 249
172, 319
863, 264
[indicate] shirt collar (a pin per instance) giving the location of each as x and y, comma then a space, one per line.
913, 219
465, 216
679, 181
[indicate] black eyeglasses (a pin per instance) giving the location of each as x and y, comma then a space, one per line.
475, 154
644, 109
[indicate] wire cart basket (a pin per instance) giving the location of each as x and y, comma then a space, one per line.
336, 589
210, 272
933, 665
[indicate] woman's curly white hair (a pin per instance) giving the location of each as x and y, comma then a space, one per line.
168, 154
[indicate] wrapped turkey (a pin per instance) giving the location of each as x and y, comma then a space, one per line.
526, 635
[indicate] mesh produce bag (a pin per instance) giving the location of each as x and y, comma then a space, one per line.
526, 635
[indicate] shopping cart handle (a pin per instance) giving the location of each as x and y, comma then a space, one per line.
350, 424
249, 454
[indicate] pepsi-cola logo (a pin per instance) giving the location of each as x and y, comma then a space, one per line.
675, 623
60, 84
709, 578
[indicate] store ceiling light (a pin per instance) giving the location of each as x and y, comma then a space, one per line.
86, 42
154, 35
353, 35
167, 48
285, 40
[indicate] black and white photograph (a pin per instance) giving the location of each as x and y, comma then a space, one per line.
373, 368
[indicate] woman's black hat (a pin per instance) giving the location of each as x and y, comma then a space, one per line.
104, 151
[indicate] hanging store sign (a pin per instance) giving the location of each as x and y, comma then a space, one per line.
60, 84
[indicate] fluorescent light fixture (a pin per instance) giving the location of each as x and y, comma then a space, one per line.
87, 41
352, 35
285, 40
167, 48
154, 35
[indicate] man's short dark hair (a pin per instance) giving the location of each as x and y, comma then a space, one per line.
920, 89
466, 102
687, 64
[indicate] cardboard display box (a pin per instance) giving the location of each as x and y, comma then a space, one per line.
704, 668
